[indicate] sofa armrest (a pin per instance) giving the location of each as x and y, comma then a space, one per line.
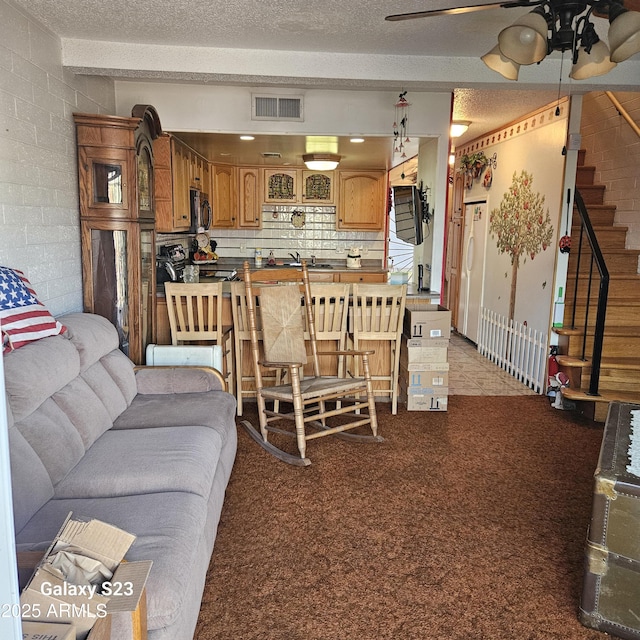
182, 379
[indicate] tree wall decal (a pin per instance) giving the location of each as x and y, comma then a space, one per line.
520, 226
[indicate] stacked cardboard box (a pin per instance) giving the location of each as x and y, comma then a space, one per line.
424, 366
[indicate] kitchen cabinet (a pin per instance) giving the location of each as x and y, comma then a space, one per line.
223, 196
249, 198
117, 209
178, 169
281, 186
361, 201
317, 187
360, 276
297, 186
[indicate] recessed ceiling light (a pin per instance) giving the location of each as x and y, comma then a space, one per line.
247, 138
224, 153
357, 139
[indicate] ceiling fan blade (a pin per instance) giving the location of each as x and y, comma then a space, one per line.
456, 10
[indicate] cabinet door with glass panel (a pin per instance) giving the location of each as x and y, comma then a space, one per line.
117, 211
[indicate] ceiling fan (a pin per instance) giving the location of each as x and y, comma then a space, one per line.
557, 25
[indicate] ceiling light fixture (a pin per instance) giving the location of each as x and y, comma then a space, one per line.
458, 127
357, 140
247, 138
564, 25
321, 161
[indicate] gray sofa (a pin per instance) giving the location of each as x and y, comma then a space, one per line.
149, 451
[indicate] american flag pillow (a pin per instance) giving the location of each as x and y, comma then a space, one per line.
23, 318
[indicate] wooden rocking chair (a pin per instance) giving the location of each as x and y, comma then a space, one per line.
327, 404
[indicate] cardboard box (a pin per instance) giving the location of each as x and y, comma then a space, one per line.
47, 631
427, 321
421, 379
51, 596
424, 399
420, 351
420, 365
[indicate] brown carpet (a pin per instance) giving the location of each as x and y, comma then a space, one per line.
462, 525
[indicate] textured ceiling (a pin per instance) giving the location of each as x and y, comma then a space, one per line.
351, 35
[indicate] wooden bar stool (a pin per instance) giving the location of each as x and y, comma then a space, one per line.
195, 316
377, 314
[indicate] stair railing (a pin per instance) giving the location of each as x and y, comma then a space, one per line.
586, 230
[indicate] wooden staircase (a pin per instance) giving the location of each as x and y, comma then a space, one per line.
620, 365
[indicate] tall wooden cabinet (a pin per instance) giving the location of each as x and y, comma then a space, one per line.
117, 221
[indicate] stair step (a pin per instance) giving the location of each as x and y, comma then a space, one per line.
605, 397
617, 260
608, 237
592, 193
600, 214
582, 154
621, 364
620, 284
584, 175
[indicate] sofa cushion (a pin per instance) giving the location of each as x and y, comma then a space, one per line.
92, 335
127, 462
167, 525
214, 409
36, 371
85, 410
30, 482
54, 438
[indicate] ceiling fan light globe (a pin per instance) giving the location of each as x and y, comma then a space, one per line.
506, 67
525, 41
624, 35
596, 63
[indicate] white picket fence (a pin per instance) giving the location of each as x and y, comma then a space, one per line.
514, 347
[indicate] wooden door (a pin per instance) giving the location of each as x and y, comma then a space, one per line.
454, 249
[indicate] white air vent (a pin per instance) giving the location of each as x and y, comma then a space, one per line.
266, 107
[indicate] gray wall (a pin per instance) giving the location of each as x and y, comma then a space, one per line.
39, 227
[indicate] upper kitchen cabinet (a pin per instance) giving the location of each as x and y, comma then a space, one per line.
281, 186
223, 195
249, 198
318, 187
361, 201
178, 169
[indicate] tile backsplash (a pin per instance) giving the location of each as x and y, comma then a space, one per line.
318, 236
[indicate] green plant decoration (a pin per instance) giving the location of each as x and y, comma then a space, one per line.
473, 163
520, 226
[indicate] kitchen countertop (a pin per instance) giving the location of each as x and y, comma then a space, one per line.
370, 266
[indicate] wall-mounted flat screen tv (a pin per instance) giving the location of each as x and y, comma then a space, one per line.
407, 205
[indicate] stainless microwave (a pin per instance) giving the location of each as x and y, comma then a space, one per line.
200, 211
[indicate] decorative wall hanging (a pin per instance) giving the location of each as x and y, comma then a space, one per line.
400, 124
520, 226
298, 219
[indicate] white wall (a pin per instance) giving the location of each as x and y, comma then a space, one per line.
533, 144
39, 225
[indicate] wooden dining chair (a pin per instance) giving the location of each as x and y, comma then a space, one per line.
311, 405
330, 305
195, 316
377, 314
245, 381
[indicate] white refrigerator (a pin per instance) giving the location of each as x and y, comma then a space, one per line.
472, 268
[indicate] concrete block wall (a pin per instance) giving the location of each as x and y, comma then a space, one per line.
614, 148
39, 220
